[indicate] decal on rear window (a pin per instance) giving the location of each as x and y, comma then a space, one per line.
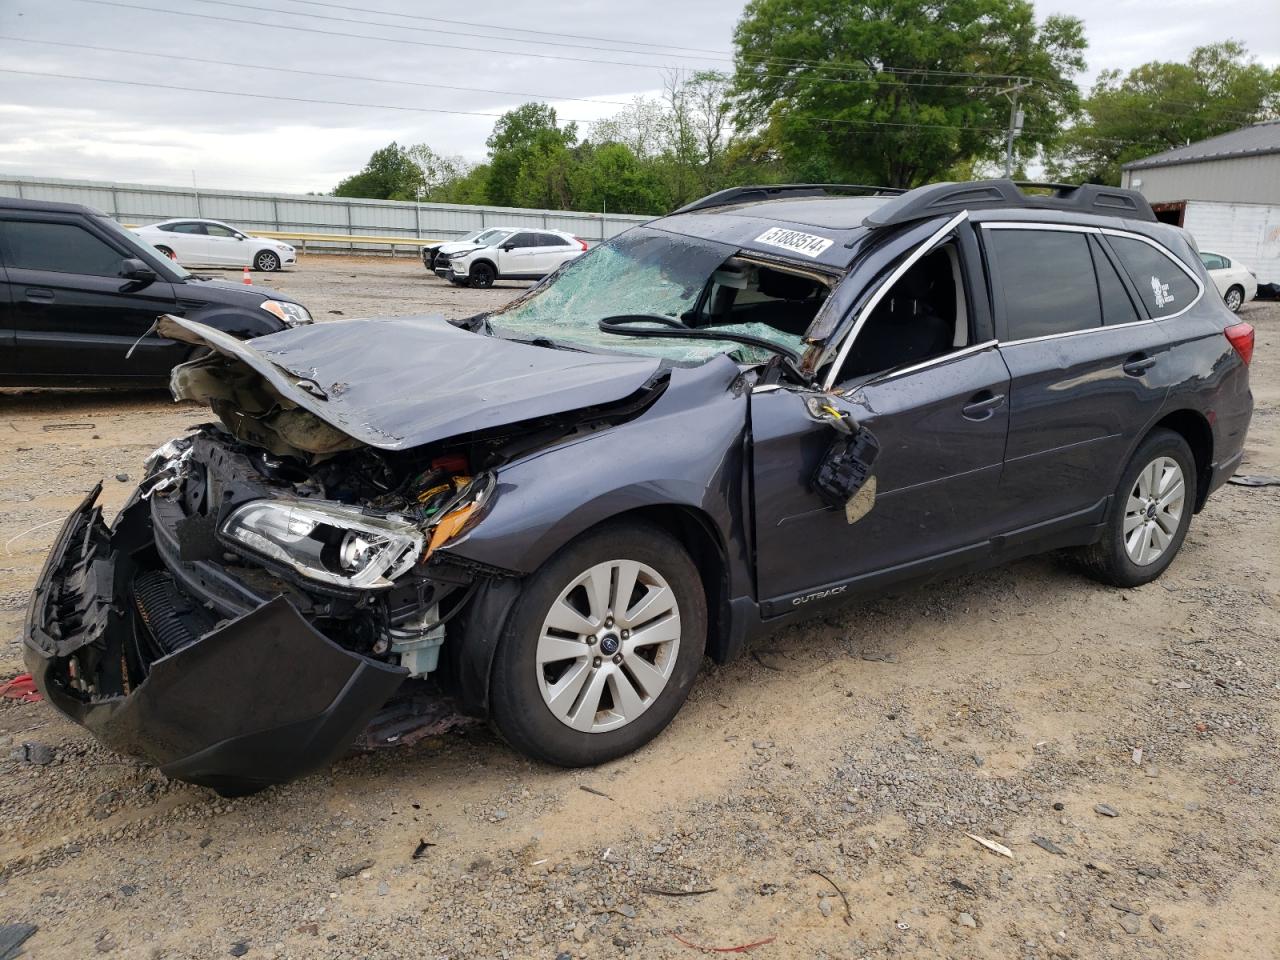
795, 241
1160, 292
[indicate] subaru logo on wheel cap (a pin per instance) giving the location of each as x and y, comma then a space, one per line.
609, 645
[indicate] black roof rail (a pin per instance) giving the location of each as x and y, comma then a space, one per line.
941, 199
777, 191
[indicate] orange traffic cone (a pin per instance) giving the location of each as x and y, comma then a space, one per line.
247, 278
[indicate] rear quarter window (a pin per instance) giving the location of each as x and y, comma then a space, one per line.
1046, 281
1162, 283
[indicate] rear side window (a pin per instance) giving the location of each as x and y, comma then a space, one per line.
1117, 307
1046, 280
1212, 261
196, 228
216, 230
58, 248
1163, 285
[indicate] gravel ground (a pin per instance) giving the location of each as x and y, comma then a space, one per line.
816, 795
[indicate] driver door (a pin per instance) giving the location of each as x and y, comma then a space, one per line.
941, 425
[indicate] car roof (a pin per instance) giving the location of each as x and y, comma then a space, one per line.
835, 219
47, 206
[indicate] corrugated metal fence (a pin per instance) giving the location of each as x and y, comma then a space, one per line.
142, 203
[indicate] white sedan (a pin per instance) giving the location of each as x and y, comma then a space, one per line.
1235, 282
212, 243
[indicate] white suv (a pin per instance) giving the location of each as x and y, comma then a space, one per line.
508, 254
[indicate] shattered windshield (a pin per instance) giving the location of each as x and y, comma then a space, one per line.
647, 271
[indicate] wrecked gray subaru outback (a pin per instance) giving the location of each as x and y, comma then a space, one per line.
771, 401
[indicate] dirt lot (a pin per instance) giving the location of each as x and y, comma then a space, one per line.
818, 791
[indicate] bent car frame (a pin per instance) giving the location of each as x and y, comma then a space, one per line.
772, 401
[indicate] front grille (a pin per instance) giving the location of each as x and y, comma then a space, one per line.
172, 620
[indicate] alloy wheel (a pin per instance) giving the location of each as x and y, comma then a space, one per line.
608, 646
1154, 510
1234, 300
268, 262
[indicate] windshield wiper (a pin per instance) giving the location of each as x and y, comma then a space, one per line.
674, 328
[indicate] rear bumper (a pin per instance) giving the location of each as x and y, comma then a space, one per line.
256, 700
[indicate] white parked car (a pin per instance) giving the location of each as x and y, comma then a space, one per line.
212, 243
1235, 282
508, 253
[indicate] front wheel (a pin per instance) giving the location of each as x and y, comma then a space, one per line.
1234, 299
1150, 514
266, 261
602, 647
482, 275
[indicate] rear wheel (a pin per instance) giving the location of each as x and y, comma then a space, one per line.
167, 252
483, 275
266, 261
1234, 299
601, 648
1150, 514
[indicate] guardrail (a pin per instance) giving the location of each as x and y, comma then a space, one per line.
338, 239
347, 240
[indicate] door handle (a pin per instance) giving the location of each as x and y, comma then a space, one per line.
39, 295
1138, 365
982, 405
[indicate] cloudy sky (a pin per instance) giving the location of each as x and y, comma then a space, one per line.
393, 59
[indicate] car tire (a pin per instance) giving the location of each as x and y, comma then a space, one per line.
1141, 537
168, 253
266, 261
572, 710
1234, 298
482, 275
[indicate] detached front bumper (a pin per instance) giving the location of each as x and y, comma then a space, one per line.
255, 700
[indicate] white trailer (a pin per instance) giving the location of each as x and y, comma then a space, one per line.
1248, 232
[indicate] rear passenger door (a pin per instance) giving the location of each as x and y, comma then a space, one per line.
1085, 367
554, 250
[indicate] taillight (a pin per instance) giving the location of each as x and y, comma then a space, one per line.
582, 242
1241, 337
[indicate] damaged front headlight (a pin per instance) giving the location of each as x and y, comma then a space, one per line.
327, 541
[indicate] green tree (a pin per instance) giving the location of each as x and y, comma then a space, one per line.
517, 136
609, 177
1158, 106
881, 91
390, 174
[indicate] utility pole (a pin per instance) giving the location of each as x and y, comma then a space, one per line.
1015, 123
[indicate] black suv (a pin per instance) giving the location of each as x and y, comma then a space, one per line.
78, 292
769, 402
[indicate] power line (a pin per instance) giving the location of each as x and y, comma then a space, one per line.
260, 96
307, 73
449, 46
468, 113
717, 54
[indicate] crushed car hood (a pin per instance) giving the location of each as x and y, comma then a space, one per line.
391, 383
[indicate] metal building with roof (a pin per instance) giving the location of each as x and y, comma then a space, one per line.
1242, 166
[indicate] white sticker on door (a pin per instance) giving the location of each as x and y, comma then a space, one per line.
795, 241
